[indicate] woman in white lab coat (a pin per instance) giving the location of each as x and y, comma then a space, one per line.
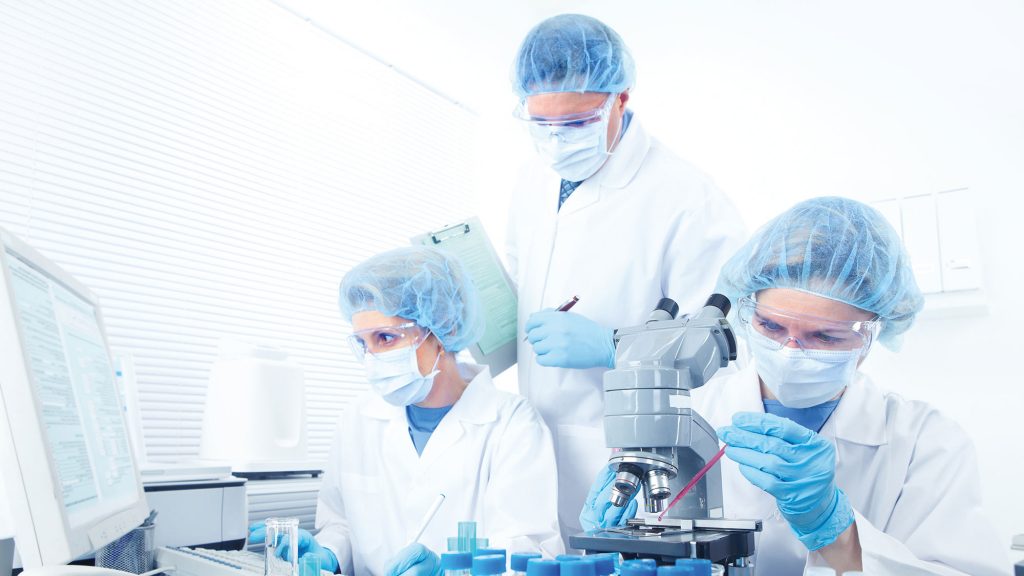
608, 214
429, 426
842, 472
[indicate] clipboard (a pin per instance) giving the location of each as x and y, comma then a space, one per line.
467, 240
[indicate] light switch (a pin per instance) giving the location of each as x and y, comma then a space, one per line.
958, 240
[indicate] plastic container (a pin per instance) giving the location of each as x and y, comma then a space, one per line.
638, 568
488, 564
281, 532
456, 563
135, 552
604, 564
696, 566
579, 567
309, 565
535, 567
517, 564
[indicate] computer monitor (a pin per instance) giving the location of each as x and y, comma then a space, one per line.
72, 482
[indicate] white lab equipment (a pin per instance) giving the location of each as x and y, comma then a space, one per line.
71, 477
255, 416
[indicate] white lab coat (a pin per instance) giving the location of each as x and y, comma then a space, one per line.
909, 472
491, 456
645, 226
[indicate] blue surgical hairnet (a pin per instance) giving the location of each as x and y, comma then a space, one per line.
423, 284
572, 53
833, 247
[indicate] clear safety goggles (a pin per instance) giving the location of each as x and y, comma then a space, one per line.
809, 332
577, 120
386, 338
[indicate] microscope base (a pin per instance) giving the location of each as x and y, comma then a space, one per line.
722, 547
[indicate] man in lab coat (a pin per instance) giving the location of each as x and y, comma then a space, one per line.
607, 214
842, 472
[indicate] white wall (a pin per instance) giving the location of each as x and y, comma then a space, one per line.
785, 100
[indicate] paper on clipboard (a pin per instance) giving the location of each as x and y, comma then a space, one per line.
468, 241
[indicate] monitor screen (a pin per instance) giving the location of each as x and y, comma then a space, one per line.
65, 424
73, 379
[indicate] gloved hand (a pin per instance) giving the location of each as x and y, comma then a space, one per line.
567, 340
597, 511
307, 545
414, 560
797, 467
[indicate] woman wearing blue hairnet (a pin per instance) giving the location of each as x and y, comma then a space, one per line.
606, 212
429, 425
842, 472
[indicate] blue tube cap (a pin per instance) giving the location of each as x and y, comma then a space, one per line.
488, 564
674, 571
519, 560
538, 567
456, 561
604, 563
568, 557
579, 567
490, 552
697, 566
638, 568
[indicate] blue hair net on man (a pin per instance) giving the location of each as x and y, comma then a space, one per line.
833, 247
420, 283
572, 53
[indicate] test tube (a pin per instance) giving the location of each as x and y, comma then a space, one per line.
638, 568
467, 536
282, 536
309, 565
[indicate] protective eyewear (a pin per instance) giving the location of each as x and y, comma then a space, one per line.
809, 332
577, 120
386, 338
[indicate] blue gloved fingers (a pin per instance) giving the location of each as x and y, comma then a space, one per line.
772, 425
257, 533
537, 318
603, 480
761, 479
304, 541
784, 451
408, 558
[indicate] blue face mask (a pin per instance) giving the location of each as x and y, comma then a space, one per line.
395, 375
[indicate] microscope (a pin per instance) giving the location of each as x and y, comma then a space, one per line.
660, 442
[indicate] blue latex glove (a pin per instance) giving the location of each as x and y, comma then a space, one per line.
597, 511
567, 340
307, 545
797, 467
414, 560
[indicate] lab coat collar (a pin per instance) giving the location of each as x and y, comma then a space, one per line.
617, 172
626, 158
477, 405
860, 416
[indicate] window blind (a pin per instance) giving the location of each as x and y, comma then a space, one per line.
211, 169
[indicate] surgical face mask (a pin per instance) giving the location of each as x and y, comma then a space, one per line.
802, 378
395, 375
575, 152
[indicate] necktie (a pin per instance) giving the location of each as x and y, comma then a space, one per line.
566, 191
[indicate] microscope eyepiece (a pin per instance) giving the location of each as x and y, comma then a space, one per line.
721, 302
